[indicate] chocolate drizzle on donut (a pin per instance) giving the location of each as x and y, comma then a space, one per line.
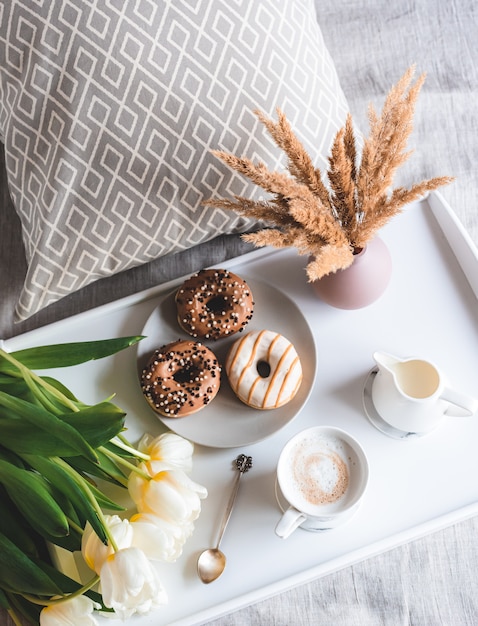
181, 378
213, 304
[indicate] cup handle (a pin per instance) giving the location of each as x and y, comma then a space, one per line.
290, 520
467, 404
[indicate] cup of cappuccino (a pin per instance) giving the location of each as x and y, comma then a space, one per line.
322, 474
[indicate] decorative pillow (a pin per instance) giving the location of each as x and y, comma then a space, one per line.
109, 110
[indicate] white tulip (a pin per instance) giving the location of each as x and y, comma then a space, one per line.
168, 451
171, 495
94, 550
77, 610
158, 538
130, 584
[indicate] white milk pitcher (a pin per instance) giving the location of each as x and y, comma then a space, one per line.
411, 394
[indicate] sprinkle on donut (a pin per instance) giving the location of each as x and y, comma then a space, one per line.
181, 378
213, 304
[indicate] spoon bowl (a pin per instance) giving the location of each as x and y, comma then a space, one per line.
211, 564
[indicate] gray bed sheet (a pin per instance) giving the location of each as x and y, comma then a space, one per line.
432, 581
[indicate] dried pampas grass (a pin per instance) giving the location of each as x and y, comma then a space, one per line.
331, 220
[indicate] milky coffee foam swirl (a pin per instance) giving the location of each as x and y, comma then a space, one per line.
318, 474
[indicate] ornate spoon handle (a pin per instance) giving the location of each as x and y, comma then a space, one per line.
243, 464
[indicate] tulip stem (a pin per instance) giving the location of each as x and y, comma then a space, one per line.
13, 616
79, 592
119, 459
124, 445
75, 526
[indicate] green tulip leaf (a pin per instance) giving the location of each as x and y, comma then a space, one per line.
39, 417
29, 611
67, 354
50, 394
14, 436
105, 502
22, 607
13, 527
10, 457
3, 601
60, 387
107, 471
19, 574
97, 424
18, 388
30, 494
72, 485
12, 384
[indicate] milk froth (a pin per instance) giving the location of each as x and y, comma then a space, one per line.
318, 474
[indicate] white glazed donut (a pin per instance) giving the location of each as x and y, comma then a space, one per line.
264, 369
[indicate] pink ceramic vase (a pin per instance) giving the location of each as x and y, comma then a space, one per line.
361, 283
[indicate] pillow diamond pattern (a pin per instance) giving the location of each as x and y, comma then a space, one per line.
109, 110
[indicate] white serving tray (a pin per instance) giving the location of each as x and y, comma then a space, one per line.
416, 486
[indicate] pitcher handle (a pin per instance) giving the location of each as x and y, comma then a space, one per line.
467, 404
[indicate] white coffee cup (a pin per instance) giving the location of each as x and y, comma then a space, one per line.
322, 474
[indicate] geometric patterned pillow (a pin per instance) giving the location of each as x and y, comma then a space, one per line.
109, 110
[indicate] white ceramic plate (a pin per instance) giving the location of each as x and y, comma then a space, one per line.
227, 422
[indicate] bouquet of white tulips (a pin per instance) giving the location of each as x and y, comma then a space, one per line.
55, 452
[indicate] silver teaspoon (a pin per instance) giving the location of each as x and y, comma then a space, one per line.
211, 562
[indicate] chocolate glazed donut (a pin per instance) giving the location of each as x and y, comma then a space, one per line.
213, 304
181, 378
